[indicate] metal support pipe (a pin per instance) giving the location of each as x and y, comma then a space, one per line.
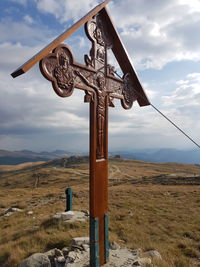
94, 242
68, 193
106, 229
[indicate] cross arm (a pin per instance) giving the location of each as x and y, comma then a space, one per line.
65, 74
36, 58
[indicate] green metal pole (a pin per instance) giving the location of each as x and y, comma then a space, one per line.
68, 193
94, 242
106, 252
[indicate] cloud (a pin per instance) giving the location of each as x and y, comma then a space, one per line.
193, 6
154, 32
30, 108
30, 105
13, 55
33, 116
186, 95
26, 102
23, 33
181, 105
66, 10
28, 19
158, 32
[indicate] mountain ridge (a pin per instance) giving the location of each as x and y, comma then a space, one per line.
151, 155
164, 155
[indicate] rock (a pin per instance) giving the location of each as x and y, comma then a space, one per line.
8, 214
57, 216
145, 261
79, 241
142, 262
153, 254
16, 209
136, 252
76, 248
77, 258
10, 211
130, 213
61, 259
71, 216
114, 246
50, 254
36, 260
30, 212
68, 215
65, 252
53, 254
58, 253
86, 247
72, 255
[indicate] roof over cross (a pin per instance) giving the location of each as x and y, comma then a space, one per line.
97, 78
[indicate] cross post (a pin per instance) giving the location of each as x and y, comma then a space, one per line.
97, 78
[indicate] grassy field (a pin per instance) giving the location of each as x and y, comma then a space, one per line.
151, 206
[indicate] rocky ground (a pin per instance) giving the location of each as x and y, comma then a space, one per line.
78, 256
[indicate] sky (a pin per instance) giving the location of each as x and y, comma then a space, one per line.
161, 37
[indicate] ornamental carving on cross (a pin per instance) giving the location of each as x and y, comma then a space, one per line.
96, 77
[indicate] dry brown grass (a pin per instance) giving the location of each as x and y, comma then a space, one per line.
153, 216
21, 166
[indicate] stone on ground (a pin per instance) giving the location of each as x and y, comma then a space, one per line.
71, 216
79, 241
10, 211
36, 260
153, 254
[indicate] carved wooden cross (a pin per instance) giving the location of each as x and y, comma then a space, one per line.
97, 78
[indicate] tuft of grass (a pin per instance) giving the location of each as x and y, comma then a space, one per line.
4, 256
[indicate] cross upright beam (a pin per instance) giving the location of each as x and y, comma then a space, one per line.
97, 78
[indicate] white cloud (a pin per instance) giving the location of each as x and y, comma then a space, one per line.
28, 19
158, 32
146, 127
22, 33
65, 10
27, 103
193, 5
186, 95
13, 55
154, 34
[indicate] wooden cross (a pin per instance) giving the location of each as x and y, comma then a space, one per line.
97, 78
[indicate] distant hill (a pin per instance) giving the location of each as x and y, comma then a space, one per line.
17, 157
164, 155
151, 155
